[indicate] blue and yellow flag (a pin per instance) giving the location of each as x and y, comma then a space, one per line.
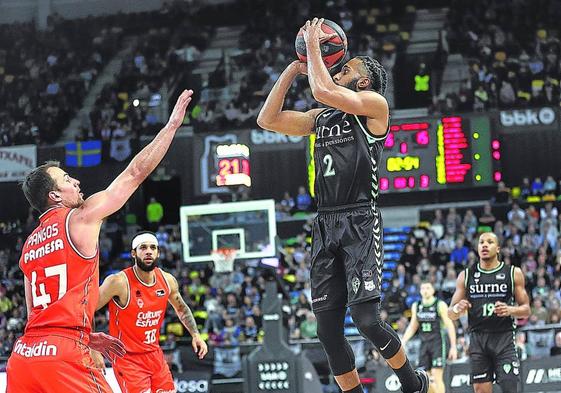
81, 154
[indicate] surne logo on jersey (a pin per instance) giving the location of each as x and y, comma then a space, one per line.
488, 288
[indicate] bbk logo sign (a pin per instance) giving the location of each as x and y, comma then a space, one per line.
528, 117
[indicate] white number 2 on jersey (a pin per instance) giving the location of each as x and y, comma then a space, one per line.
42, 298
328, 161
150, 336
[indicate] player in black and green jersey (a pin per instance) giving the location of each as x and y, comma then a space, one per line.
429, 317
488, 291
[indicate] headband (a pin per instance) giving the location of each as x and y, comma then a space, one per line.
143, 238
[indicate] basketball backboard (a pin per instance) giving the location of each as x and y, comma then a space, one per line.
249, 227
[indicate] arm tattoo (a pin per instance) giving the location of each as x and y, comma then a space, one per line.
185, 315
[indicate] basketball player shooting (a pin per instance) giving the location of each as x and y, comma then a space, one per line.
60, 263
347, 253
137, 298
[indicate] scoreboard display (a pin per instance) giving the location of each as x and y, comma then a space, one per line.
233, 165
435, 154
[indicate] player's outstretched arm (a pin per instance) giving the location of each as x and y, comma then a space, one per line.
272, 117
327, 92
185, 316
522, 310
85, 222
450, 328
114, 286
459, 303
413, 326
107, 202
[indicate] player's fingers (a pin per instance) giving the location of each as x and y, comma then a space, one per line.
119, 351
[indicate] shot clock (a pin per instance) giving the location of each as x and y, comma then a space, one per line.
233, 165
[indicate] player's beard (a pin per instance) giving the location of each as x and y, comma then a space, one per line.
352, 84
143, 266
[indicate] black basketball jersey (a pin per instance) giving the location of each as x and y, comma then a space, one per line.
483, 289
429, 321
346, 159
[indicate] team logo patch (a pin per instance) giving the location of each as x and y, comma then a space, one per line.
369, 285
140, 303
507, 367
500, 276
477, 275
160, 292
355, 284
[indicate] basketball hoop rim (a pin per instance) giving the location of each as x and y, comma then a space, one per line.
223, 259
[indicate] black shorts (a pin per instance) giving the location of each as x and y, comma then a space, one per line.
347, 256
493, 356
433, 354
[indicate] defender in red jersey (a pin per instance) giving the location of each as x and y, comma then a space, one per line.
137, 298
61, 274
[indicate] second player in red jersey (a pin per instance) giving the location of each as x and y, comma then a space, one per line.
138, 298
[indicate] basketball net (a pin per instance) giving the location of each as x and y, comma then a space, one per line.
224, 259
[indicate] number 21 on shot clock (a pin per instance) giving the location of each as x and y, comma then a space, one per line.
233, 165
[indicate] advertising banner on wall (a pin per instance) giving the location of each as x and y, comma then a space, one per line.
17, 161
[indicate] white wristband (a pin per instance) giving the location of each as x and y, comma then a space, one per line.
455, 309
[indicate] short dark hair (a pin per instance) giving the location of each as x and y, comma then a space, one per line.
376, 73
37, 185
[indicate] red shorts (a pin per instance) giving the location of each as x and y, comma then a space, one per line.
144, 372
41, 364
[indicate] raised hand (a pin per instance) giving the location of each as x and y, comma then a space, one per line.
314, 33
299, 66
178, 114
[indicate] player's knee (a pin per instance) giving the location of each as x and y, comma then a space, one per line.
509, 385
368, 323
330, 335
